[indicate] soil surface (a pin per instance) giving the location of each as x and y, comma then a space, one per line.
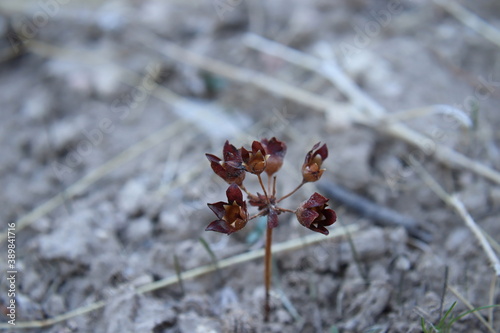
105, 126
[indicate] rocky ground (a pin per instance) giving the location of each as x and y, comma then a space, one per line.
106, 119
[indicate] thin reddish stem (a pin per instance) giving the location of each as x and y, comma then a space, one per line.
263, 188
289, 194
250, 195
285, 210
263, 212
269, 184
268, 273
274, 186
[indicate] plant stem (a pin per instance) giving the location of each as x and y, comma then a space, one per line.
257, 215
269, 183
289, 194
285, 210
263, 188
274, 187
268, 273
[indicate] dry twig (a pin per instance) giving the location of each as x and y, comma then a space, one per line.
469, 19
373, 111
459, 207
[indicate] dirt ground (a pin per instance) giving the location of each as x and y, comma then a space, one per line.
108, 109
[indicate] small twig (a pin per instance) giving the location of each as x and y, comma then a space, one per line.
459, 207
290, 245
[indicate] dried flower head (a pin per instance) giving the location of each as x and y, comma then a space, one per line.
231, 167
311, 169
266, 155
232, 214
276, 150
254, 161
314, 215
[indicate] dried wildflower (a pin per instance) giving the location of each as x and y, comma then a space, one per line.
311, 169
231, 168
232, 214
254, 161
276, 150
266, 155
314, 215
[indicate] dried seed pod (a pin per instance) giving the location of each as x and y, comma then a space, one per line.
311, 169
231, 167
314, 215
232, 215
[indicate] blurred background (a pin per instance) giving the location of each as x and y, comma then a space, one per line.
107, 111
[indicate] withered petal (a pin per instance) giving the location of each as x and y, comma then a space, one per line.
218, 169
316, 200
245, 154
330, 217
213, 158
315, 146
219, 226
231, 153
306, 216
323, 152
257, 146
274, 147
320, 229
233, 193
217, 208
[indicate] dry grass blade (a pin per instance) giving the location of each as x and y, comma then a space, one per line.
459, 207
238, 74
471, 308
493, 287
374, 112
290, 245
471, 20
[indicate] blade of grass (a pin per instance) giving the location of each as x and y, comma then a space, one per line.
469, 305
213, 257
178, 272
